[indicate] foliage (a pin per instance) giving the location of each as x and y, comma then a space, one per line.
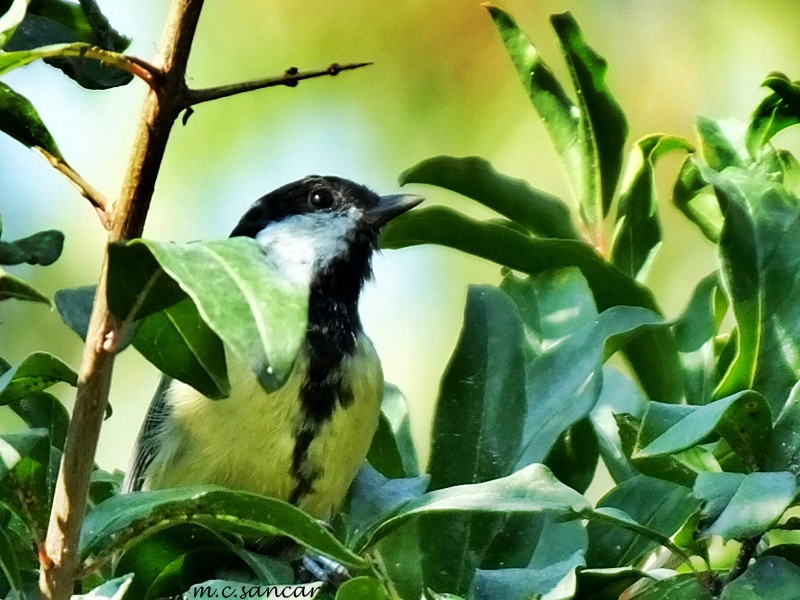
700, 432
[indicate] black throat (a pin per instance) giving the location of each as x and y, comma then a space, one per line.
331, 338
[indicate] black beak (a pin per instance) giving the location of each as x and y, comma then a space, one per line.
390, 207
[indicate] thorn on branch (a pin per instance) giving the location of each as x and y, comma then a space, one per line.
186, 114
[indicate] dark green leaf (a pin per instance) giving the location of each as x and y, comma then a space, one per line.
45, 411
228, 282
37, 372
695, 331
558, 113
771, 578
131, 516
653, 355
475, 178
19, 119
12, 288
680, 587
637, 235
700, 208
573, 458
480, 412
75, 307
657, 505
363, 588
779, 110
9, 566
24, 486
602, 127
784, 453
717, 147
13, 13
531, 490
42, 248
179, 343
757, 503
392, 451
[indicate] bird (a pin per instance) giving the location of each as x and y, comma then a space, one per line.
304, 442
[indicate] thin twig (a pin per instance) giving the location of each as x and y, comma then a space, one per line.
289, 78
95, 198
746, 552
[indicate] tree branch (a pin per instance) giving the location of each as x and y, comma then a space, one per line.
163, 104
290, 78
95, 198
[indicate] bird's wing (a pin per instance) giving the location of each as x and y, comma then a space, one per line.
147, 443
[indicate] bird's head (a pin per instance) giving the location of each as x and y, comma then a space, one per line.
308, 225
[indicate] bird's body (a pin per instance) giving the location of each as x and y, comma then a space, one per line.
305, 441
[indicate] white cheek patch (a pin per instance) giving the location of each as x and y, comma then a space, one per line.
299, 244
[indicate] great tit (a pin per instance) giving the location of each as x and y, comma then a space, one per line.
305, 442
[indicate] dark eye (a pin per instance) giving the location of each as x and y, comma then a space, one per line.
321, 198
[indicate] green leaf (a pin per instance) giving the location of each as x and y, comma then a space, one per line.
717, 146
776, 112
123, 518
700, 208
743, 419
228, 281
557, 112
24, 485
602, 127
113, 589
680, 587
653, 355
481, 407
475, 178
531, 490
757, 503
770, 578
12, 288
695, 331
19, 119
51, 22
573, 458
42, 248
75, 305
11, 18
37, 372
637, 234
392, 451
45, 411
658, 506
9, 566
181, 345
784, 452
363, 588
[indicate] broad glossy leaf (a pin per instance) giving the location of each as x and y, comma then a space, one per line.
178, 342
695, 331
557, 112
784, 453
114, 589
37, 372
560, 548
11, 17
602, 128
42, 248
256, 313
531, 490
565, 382
574, 456
363, 588
770, 578
758, 502
130, 516
653, 355
653, 504
718, 145
19, 119
42, 410
24, 485
9, 566
475, 178
701, 208
480, 412
680, 587
715, 491
12, 288
392, 451
637, 234
776, 112
743, 419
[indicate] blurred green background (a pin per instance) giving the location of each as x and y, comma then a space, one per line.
441, 84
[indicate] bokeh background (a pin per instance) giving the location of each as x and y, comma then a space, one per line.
441, 84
